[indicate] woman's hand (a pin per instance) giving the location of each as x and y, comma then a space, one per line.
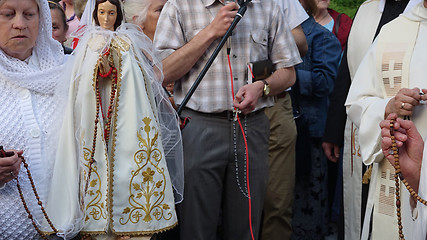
9, 166
410, 145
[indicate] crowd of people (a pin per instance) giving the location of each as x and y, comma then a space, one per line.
305, 120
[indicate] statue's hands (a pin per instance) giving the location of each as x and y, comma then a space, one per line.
104, 65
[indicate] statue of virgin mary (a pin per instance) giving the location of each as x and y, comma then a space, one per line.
119, 169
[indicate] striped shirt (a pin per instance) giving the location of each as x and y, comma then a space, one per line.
261, 34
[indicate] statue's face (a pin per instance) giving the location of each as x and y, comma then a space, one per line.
107, 15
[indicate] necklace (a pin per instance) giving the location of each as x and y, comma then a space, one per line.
397, 176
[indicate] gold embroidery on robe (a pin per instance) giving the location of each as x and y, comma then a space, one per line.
147, 185
120, 44
94, 206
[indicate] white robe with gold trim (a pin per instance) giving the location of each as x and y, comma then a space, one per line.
359, 40
129, 190
396, 60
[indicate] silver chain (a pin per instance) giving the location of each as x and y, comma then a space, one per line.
245, 190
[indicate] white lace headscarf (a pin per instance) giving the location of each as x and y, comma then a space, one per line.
49, 53
170, 132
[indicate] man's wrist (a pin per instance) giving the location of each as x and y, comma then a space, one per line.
260, 87
266, 88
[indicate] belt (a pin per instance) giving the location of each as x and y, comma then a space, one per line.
228, 114
282, 94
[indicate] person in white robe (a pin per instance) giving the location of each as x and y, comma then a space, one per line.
363, 31
389, 79
119, 161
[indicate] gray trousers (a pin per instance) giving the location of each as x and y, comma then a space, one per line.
215, 188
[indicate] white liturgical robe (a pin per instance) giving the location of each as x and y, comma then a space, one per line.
396, 60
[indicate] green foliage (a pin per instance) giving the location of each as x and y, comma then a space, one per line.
348, 7
347, 3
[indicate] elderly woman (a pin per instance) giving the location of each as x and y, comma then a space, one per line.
144, 13
31, 65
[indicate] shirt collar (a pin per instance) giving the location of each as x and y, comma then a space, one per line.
208, 3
